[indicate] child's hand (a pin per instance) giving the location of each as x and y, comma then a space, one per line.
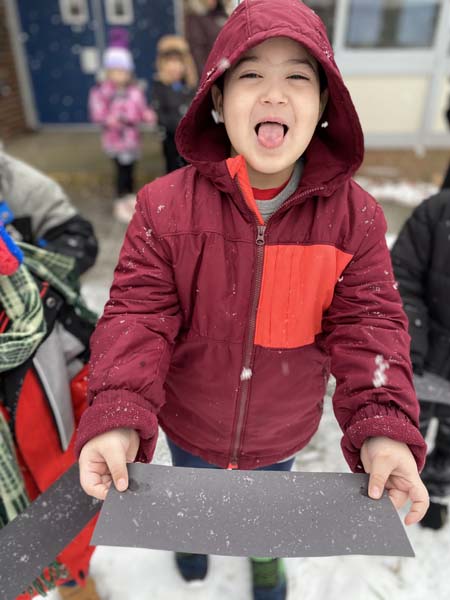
150, 116
391, 465
104, 459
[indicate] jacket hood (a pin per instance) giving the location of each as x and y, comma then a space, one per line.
334, 153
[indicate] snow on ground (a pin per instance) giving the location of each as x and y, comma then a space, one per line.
400, 192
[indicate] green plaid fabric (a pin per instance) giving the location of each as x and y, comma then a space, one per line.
19, 296
12, 488
58, 270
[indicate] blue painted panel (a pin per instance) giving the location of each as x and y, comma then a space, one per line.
52, 48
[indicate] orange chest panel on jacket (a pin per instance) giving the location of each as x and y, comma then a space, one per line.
297, 287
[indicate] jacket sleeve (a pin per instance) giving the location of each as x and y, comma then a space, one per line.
99, 105
132, 345
410, 258
75, 237
367, 340
55, 223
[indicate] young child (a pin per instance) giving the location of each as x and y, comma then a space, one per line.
119, 105
421, 260
172, 92
248, 276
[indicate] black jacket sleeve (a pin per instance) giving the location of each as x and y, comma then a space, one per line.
411, 256
74, 237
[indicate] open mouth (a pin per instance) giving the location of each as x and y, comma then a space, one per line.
285, 127
271, 134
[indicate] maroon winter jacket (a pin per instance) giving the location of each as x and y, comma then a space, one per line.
224, 330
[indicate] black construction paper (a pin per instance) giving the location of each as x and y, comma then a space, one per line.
33, 540
250, 513
432, 388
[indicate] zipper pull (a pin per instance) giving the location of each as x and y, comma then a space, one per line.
260, 241
232, 465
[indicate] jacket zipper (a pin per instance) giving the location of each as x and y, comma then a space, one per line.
248, 354
246, 369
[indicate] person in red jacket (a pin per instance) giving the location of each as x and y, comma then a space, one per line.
248, 276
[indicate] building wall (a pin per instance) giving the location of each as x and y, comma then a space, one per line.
401, 92
389, 104
12, 116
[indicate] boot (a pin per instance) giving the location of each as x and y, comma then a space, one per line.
435, 517
88, 591
436, 474
123, 208
192, 567
269, 579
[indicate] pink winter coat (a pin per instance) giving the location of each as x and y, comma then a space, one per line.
120, 111
223, 329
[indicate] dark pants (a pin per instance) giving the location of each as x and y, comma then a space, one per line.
446, 183
124, 178
181, 458
436, 474
428, 410
171, 156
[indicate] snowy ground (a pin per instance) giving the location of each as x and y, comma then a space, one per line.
130, 574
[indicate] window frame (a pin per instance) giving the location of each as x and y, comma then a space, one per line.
68, 18
113, 19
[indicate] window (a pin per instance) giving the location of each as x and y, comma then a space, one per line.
119, 12
325, 9
392, 23
74, 12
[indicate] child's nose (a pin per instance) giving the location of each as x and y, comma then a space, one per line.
273, 95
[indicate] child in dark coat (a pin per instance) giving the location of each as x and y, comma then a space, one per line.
248, 276
421, 259
172, 92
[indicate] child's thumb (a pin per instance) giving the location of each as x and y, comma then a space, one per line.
379, 474
117, 466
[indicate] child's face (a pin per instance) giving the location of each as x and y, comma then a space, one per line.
173, 68
271, 104
120, 77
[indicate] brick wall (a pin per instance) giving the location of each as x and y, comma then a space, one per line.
12, 117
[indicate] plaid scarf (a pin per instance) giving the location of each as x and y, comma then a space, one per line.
20, 299
14, 500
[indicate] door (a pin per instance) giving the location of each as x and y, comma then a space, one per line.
63, 41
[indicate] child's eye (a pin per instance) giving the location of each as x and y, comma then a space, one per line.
297, 76
249, 76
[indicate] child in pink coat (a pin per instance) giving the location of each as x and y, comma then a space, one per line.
118, 104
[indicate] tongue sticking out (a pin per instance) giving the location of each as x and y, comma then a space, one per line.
271, 135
